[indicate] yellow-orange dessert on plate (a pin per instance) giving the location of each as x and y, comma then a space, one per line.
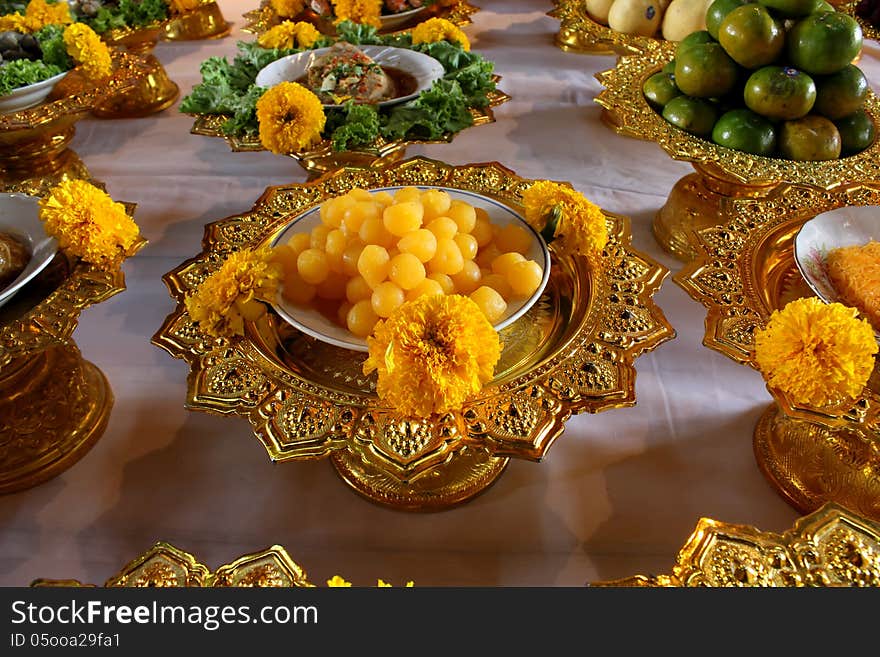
855, 272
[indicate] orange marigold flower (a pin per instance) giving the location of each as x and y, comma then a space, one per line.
291, 118
439, 29
561, 213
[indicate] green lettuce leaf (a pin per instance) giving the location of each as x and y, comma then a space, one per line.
441, 109
22, 72
51, 40
356, 125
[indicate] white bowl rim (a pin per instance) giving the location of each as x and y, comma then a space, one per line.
357, 344
436, 73
43, 249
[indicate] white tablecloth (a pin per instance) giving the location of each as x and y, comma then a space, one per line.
619, 492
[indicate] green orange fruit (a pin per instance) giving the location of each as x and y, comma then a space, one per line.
751, 36
705, 71
824, 43
694, 115
780, 92
841, 94
812, 137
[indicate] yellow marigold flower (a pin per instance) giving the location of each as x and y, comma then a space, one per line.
288, 35
232, 293
366, 12
432, 354
88, 51
559, 212
288, 8
337, 581
817, 353
40, 14
16, 23
439, 29
88, 223
291, 118
382, 584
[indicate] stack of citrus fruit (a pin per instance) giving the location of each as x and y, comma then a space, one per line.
772, 78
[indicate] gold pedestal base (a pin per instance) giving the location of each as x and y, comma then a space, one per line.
318, 162
697, 202
33, 160
53, 407
204, 22
153, 93
811, 465
574, 41
464, 476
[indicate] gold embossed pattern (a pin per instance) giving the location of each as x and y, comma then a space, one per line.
631, 115
573, 351
831, 547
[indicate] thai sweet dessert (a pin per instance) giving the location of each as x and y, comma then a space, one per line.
855, 273
14, 256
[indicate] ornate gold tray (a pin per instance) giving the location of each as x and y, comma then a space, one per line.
323, 158
849, 7
573, 352
580, 33
34, 152
695, 201
831, 547
54, 404
743, 271
264, 18
206, 21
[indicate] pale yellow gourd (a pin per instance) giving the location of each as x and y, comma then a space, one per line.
683, 17
641, 17
598, 10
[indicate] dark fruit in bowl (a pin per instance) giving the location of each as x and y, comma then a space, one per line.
660, 88
824, 43
743, 130
842, 93
751, 36
705, 70
812, 137
717, 11
780, 92
694, 115
856, 132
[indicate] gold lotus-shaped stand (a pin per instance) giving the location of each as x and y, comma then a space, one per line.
54, 404
697, 200
831, 547
322, 158
743, 271
572, 352
580, 33
34, 153
264, 17
205, 21
849, 7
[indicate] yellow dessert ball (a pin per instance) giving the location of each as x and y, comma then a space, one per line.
448, 258
299, 243
524, 278
436, 203
373, 264
406, 270
467, 244
486, 255
490, 302
355, 215
406, 194
350, 256
463, 214
468, 279
384, 198
361, 318
426, 287
505, 261
498, 283
482, 230
386, 298
332, 287
312, 266
357, 289
285, 256
296, 290
342, 313
443, 228
403, 218
444, 281
421, 243
319, 236
333, 210
513, 237
359, 194
335, 248
373, 231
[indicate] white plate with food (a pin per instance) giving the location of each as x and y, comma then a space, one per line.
30, 95
25, 249
376, 75
838, 254
318, 325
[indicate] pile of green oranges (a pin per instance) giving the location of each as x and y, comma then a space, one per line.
772, 78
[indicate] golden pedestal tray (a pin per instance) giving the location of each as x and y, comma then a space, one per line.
34, 153
849, 7
206, 21
580, 33
572, 352
831, 547
696, 201
743, 271
54, 404
155, 91
264, 18
322, 158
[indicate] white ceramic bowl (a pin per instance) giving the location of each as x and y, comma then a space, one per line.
847, 226
393, 21
313, 323
29, 96
19, 216
426, 70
